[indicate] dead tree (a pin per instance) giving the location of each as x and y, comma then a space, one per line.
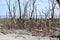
46, 14
9, 8
25, 9
41, 19
14, 12
53, 8
19, 9
10, 14
33, 8
52, 14
36, 13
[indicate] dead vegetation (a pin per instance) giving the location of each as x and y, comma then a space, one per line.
44, 27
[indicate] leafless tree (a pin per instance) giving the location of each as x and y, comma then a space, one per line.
53, 8
33, 4
46, 13
41, 19
19, 9
25, 9
14, 12
9, 8
36, 13
46, 22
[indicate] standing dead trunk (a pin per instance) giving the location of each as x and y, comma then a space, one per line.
14, 11
52, 14
33, 8
19, 9
10, 14
36, 13
25, 9
9, 8
14, 14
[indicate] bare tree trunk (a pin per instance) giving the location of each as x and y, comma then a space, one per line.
14, 16
41, 19
52, 14
9, 8
36, 13
19, 9
33, 8
14, 11
25, 9
10, 15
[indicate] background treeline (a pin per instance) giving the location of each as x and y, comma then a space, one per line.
30, 23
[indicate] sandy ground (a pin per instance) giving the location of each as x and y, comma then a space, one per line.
23, 35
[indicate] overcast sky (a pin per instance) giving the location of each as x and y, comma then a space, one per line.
41, 4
